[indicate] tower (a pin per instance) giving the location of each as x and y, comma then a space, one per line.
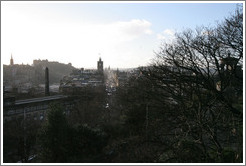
47, 92
100, 65
11, 61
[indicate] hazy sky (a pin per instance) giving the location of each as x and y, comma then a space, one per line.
122, 34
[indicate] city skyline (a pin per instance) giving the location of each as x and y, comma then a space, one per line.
124, 35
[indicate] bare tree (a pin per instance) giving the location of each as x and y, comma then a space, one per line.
200, 75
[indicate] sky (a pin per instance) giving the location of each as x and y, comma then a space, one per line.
123, 34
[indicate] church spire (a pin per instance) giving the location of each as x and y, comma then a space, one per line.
11, 60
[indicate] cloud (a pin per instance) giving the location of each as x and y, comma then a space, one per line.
120, 31
112, 33
167, 35
77, 42
133, 28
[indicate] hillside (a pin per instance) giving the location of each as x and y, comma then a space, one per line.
19, 74
56, 70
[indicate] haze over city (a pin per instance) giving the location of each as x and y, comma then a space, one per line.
124, 34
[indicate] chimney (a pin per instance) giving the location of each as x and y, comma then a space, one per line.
47, 92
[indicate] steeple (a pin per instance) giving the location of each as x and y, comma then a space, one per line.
11, 61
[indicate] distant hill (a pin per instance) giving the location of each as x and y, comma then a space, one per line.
35, 74
56, 70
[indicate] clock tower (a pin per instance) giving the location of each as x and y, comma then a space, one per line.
100, 65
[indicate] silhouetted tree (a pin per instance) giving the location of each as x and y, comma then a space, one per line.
86, 144
196, 72
61, 142
19, 139
53, 136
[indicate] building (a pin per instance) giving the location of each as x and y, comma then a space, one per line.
232, 73
83, 78
35, 108
100, 65
228, 63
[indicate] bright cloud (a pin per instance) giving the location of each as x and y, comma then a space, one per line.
118, 31
167, 35
132, 29
71, 41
